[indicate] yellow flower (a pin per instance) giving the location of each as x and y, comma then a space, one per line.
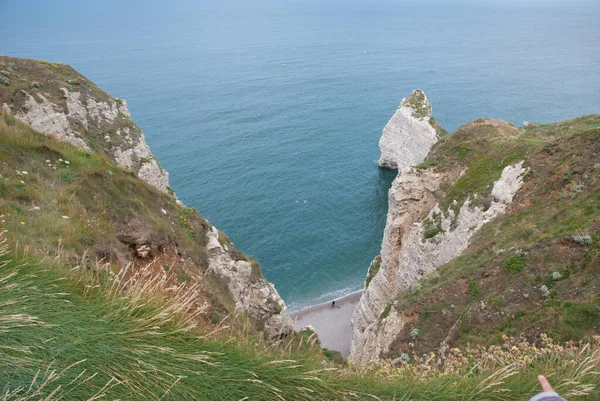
349, 362
22, 223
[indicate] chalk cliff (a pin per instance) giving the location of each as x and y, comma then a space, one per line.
410, 133
250, 292
57, 101
424, 230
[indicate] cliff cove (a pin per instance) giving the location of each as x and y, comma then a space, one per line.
299, 200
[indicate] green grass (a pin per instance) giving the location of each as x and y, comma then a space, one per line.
373, 269
432, 226
76, 325
386, 312
73, 334
474, 289
416, 101
514, 264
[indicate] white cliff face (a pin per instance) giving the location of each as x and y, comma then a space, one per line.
406, 256
409, 135
109, 121
45, 117
132, 151
253, 295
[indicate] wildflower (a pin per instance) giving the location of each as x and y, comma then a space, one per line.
67, 162
65, 217
349, 362
22, 223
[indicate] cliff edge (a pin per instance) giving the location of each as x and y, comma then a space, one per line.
477, 238
78, 175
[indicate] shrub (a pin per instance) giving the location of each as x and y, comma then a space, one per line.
334, 356
545, 291
386, 312
433, 276
584, 240
474, 290
416, 287
414, 333
215, 317
373, 270
433, 226
514, 263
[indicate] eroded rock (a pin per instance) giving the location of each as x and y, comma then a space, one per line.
251, 294
410, 133
407, 256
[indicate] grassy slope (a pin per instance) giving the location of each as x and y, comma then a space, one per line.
75, 325
492, 290
93, 193
76, 334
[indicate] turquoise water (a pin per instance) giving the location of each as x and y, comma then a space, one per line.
284, 158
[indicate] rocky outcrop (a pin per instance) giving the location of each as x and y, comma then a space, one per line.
251, 293
410, 133
57, 101
407, 254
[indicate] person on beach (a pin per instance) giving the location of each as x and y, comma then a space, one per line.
548, 393
333, 304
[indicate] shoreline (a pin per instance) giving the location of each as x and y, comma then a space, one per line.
331, 323
308, 309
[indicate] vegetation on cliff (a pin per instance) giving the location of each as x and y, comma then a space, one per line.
104, 292
534, 270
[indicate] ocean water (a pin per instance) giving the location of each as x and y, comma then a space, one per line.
267, 114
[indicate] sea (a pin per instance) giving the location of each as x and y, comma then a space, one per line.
267, 113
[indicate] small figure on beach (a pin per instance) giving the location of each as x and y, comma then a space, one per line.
332, 304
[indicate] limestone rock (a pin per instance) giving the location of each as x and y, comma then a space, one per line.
80, 114
410, 133
406, 256
252, 295
45, 117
